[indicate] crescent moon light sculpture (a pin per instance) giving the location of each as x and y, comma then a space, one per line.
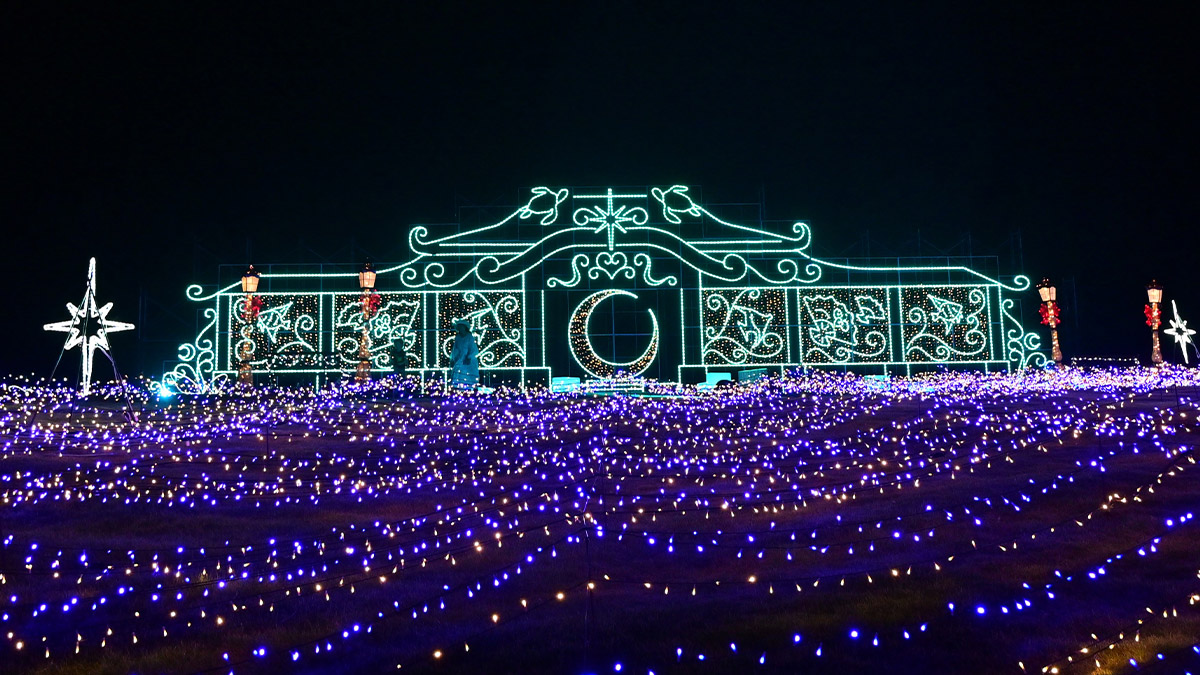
581, 344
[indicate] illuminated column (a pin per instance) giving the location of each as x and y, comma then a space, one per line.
250, 314
1154, 319
1050, 314
370, 305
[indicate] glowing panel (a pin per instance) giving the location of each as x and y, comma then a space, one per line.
497, 322
284, 335
396, 329
744, 326
840, 326
945, 324
749, 294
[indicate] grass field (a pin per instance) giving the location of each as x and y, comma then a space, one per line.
822, 523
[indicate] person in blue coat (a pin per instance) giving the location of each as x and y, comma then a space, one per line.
464, 357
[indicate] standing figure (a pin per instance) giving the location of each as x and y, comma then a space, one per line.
464, 357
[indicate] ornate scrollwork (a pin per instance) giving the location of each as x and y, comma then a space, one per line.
579, 262
610, 266
1022, 348
942, 329
738, 331
642, 260
196, 373
844, 330
495, 321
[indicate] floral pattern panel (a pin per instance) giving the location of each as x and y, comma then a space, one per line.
844, 325
275, 331
392, 327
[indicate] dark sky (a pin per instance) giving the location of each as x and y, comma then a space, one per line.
166, 138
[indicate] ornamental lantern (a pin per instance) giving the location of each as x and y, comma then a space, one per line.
1154, 319
1154, 292
250, 280
1047, 291
1050, 314
366, 278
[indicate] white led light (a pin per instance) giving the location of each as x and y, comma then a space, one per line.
747, 296
1180, 331
82, 318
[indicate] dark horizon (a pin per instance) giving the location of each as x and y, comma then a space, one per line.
166, 140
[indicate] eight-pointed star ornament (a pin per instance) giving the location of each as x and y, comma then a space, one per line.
84, 319
1180, 331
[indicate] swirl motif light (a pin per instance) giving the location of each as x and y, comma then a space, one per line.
731, 292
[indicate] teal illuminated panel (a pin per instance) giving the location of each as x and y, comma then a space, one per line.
744, 326
396, 329
497, 322
286, 333
840, 326
600, 281
945, 324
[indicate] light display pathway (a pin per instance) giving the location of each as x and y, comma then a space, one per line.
687, 292
985, 521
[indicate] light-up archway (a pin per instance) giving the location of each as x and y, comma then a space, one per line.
722, 293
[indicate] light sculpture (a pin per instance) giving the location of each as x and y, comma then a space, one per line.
723, 294
370, 307
251, 308
1050, 316
84, 318
1154, 319
1180, 331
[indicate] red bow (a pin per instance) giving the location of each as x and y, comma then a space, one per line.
371, 305
1153, 316
1050, 313
253, 306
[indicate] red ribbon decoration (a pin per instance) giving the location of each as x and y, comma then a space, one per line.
1050, 312
250, 310
1153, 316
371, 305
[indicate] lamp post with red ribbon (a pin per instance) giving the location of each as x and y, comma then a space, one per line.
1154, 319
1050, 316
250, 309
370, 307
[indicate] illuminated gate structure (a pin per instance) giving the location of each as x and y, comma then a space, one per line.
599, 281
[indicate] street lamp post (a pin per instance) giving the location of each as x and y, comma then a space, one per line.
1050, 315
250, 311
370, 305
1154, 319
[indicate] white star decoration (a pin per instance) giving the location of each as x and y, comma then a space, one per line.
81, 318
1180, 331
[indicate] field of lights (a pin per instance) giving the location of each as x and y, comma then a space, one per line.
957, 523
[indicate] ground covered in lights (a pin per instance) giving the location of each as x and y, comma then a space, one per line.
816, 523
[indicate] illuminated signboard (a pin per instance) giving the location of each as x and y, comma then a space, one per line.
596, 282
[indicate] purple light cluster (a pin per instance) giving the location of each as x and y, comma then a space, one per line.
280, 528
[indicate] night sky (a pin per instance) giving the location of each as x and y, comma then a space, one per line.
166, 139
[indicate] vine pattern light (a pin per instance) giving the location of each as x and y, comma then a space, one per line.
946, 324
843, 326
395, 327
744, 326
660, 239
284, 332
495, 320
